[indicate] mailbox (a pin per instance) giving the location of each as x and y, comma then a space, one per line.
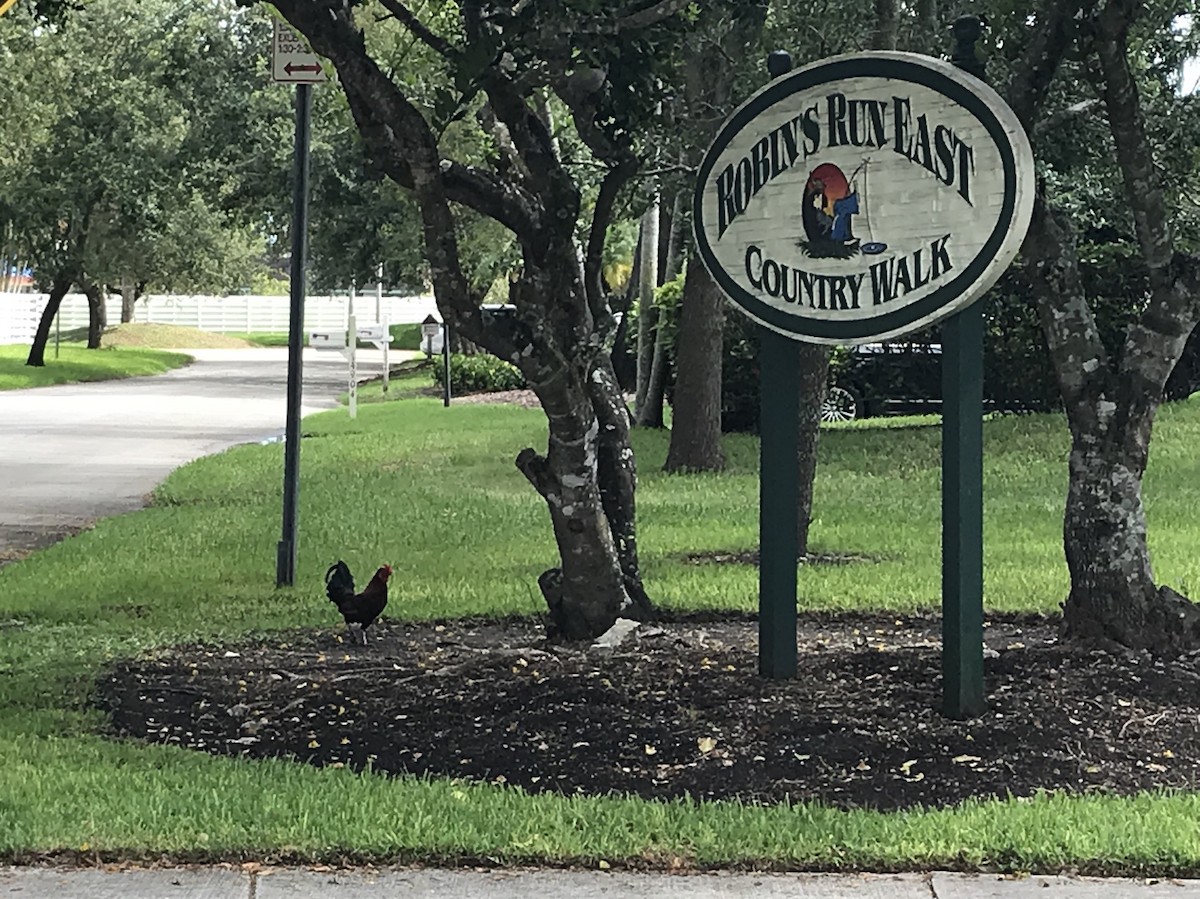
327, 340
372, 333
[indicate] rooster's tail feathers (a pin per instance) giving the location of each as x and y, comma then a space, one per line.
339, 582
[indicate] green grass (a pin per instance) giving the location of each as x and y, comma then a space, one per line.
264, 338
434, 492
404, 337
76, 363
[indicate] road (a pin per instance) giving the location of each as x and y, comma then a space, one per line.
75, 453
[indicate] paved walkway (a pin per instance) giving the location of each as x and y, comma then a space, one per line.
78, 452
224, 883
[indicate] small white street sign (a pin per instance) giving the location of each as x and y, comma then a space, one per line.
292, 62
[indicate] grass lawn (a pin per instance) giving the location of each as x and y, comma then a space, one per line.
76, 363
433, 491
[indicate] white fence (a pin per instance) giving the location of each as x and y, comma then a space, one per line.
20, 312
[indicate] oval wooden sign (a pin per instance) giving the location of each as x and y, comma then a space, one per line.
864, 197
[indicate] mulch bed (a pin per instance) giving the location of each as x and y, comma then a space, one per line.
678, 710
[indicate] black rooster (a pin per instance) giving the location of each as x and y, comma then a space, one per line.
357, 608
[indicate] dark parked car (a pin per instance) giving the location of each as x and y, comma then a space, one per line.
896, 378
905, 378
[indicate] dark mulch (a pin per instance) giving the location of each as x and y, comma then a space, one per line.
680, 711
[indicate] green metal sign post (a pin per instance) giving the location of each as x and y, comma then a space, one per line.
962, 478
778, 550
962, 514
778, 423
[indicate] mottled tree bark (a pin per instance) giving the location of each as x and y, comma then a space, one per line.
617, 476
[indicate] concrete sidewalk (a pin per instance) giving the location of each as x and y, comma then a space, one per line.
294, 883
78, 452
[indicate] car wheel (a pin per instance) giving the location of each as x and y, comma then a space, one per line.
840, 405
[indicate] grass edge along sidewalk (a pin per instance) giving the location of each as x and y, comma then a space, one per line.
435, 491
76, 364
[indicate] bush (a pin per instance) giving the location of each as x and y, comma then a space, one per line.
624, 358
479, 373
1018, 372
405, 337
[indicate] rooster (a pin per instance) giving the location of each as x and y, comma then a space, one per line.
357, 608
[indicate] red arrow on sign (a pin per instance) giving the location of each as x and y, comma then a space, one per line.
289, 68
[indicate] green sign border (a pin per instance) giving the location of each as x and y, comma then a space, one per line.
964, 90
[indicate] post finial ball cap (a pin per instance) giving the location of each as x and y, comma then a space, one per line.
779, 62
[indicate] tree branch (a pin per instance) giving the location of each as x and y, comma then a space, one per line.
610, 187
420, 31
1051, 260
1053, 35
1062, 116
1143, 189
884, 35
644, 18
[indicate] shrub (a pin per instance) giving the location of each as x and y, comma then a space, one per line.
405, 337
480, 373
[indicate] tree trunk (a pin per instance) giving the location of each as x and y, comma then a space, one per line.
651, 412
617, 476
1104, 537
709, 76
1111, 405
97, 313
647, 311
813, 360
696, 422
129, 298
673, 257
1113, 597
587, 593
37, 351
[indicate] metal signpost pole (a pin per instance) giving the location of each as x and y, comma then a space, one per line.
446, 363
779, 404
385, 321
962, 478
352, 356
285, 562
